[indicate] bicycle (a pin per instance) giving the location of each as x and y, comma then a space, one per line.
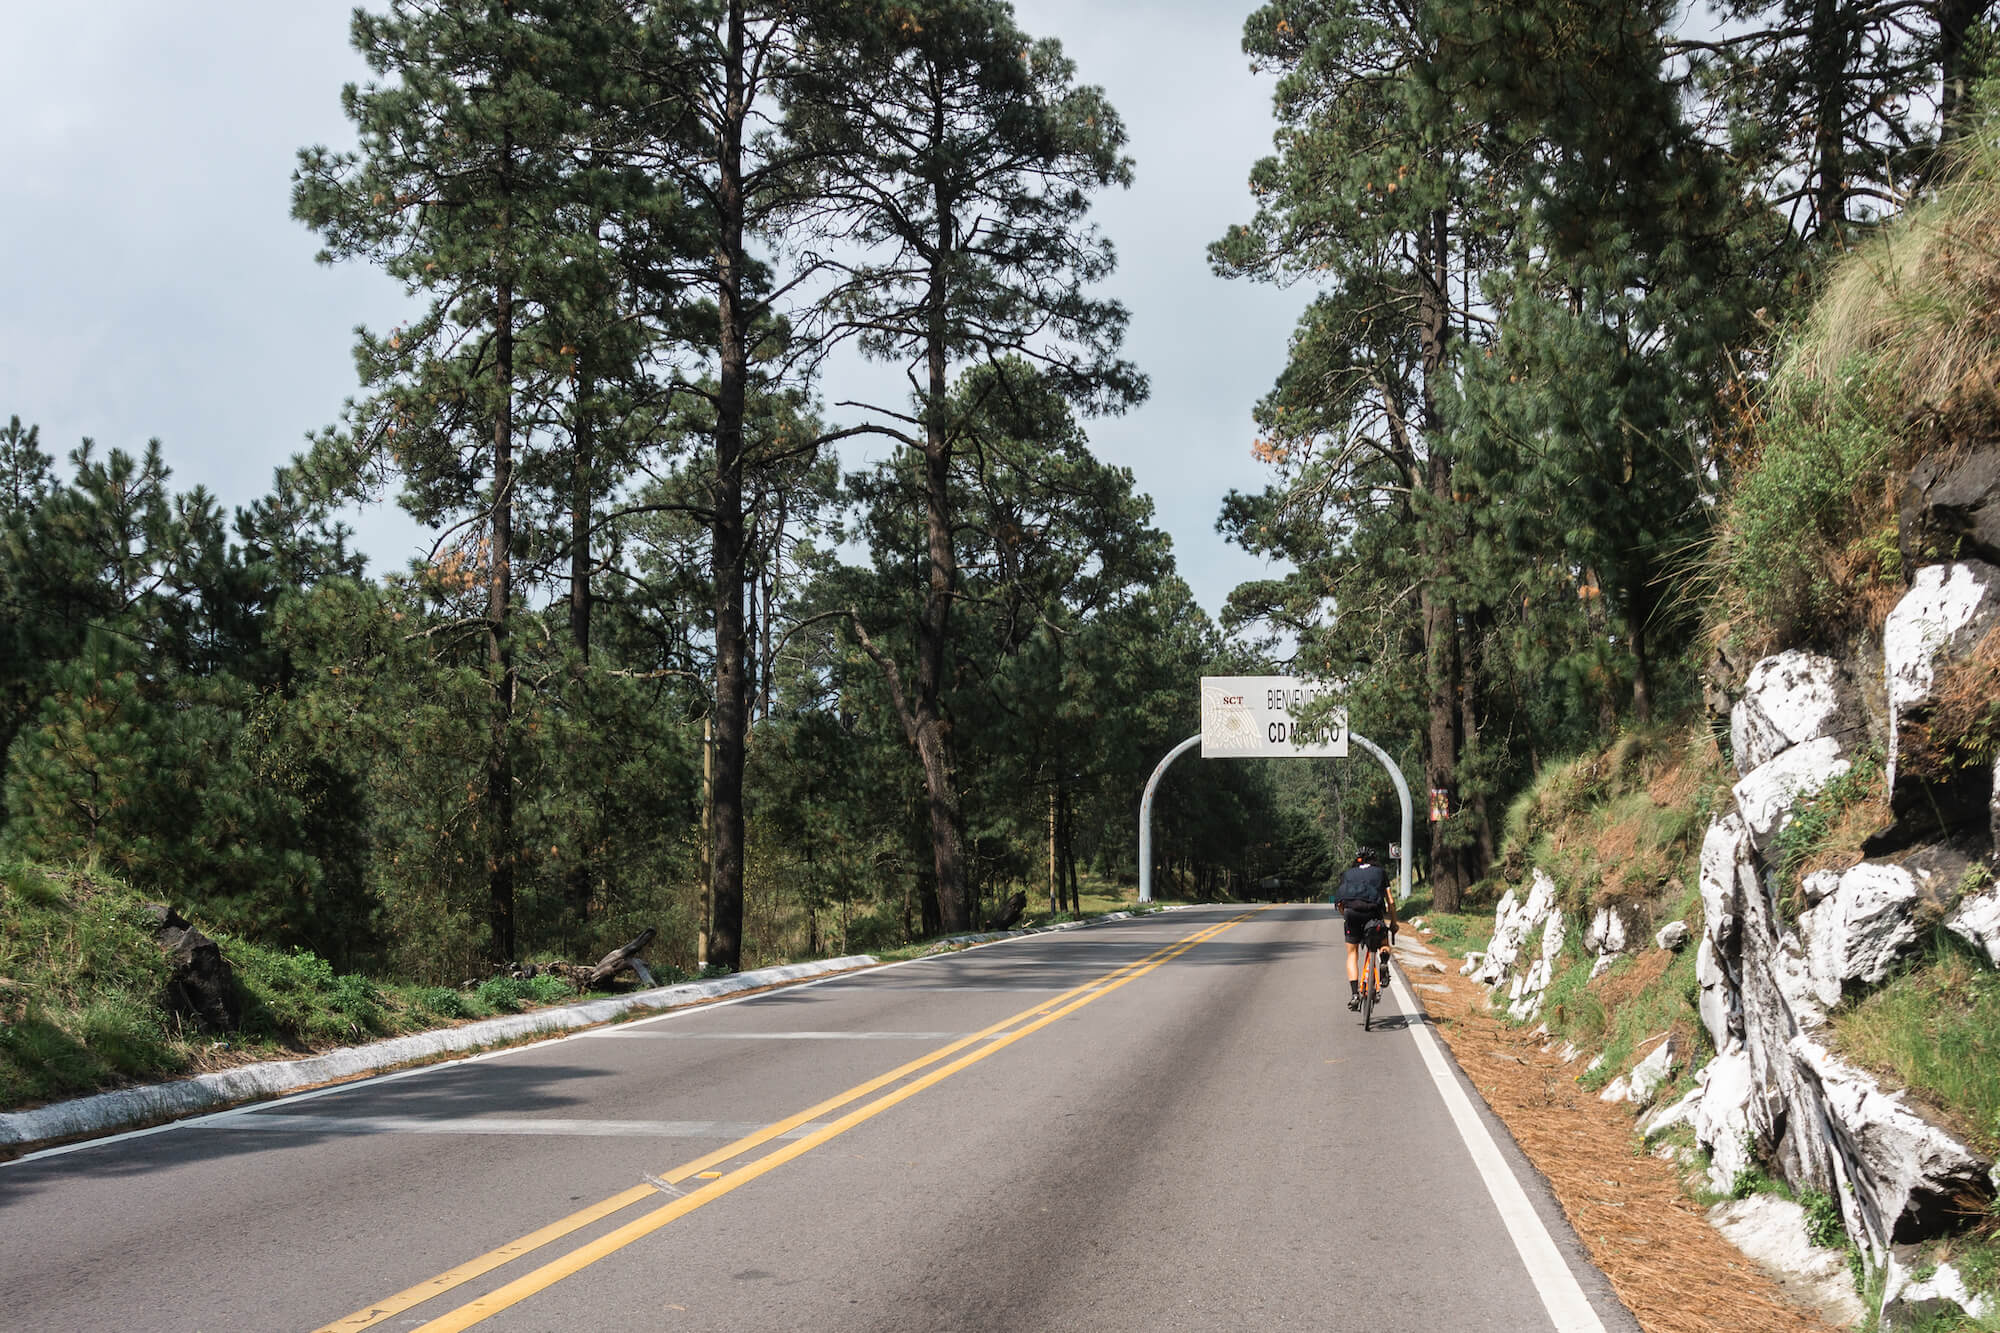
1374, 967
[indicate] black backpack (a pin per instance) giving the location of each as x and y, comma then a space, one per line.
1363, 888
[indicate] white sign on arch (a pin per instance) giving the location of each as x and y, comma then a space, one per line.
1262, 717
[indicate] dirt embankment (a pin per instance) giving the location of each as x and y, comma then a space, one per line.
1670, 1267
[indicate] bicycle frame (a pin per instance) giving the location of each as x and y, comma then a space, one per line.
1374, 968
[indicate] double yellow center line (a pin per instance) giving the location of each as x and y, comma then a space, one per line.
940, 1063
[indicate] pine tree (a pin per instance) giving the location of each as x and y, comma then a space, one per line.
473, 185
955, 160
1840, 104
1389, 197
1586, 418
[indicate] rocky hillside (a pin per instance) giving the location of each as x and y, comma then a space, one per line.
1851, 862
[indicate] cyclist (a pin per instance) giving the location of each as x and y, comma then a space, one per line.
1362, 896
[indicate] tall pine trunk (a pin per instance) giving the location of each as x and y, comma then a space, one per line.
1955, 27
725, 941
499, 646
1831, 35
1640, 603
947, 818
579, 876
1451, 854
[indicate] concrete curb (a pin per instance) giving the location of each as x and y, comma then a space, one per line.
130, 1108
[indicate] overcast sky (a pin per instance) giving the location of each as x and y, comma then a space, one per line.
155, 285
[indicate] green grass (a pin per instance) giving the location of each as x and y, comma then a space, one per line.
1455, 933
85, 1008
1936, 1030
82, 1012
1824, 1227
1815, 818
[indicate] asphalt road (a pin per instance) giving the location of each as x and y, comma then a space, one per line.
1165, 1123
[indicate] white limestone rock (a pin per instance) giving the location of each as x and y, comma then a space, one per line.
1857, 932
1672, 936
1728, 879
1907, 1174
1513, 921
1978, 921
1768, 794
1525, 995
1678, 1112
1908, 1300
1717, 1003
1552, 935
1787, 700
1947, 610
1725, 869
1789, 971
1638, 1084
1772, 1232
1473, 962
1606, 932
1817, 885
1722, 1119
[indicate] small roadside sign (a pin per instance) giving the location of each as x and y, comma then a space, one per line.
1270, 717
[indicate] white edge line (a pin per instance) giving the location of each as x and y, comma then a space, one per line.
1570, 1311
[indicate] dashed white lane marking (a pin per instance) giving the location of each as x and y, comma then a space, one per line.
1569, 1309
269, 1121
667, 1034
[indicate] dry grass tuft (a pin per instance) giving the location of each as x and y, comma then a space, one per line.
1628, 983
1697, 769
1922, 298
1852, 827
1964, 723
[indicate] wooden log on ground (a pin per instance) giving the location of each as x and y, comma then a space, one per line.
1009, 913
618, 960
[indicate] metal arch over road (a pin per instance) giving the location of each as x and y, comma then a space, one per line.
1152, 784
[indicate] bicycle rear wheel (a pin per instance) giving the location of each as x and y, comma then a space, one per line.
1367, 994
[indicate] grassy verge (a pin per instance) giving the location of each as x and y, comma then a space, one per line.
83, 987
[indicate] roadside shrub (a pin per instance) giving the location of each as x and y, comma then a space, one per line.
503, 994
356, 999
1823, 1225
1800, 523
441, 1001
545, 989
